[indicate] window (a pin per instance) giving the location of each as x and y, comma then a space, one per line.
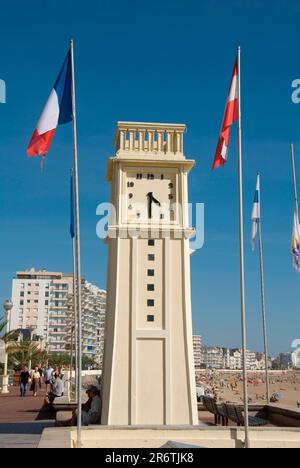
47, 294
150, 272
151, 257
162, 177
46, 303
151, 242
150, 287
150, 318
22, 294
150, 302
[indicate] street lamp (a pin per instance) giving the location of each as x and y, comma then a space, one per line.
8, 305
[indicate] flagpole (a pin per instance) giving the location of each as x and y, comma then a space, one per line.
295, 181
77, 253
263, 306
75, 311
242, 269
75, 316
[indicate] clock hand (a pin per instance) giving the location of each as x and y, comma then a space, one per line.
149, 196
156, 201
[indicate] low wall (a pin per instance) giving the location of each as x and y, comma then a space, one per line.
157, 437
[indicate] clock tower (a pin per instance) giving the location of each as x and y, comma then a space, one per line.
148, 371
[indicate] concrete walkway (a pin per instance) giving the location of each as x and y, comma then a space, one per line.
22, 435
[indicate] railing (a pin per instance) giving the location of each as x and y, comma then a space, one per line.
147, 138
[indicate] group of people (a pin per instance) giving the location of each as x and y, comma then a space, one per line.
52, 377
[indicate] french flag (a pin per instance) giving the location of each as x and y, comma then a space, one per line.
58, 110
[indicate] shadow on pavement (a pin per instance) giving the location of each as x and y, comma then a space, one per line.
34, 428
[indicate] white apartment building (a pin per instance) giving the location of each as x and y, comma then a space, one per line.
197, 346
43, 303
93, 323
40, 304
224, 358
296, 360
213, 357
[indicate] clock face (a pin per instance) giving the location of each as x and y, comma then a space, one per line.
151, 196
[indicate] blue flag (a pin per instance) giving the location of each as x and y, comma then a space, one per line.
72, 220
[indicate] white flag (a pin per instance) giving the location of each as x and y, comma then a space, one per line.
295, 247
255, 212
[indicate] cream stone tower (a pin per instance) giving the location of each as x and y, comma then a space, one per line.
148, 375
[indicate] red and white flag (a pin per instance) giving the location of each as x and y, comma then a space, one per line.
230, 116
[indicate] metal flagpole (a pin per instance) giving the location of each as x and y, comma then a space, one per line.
72, 232
77, 252
75, 312
242, 273
295, 181
71, 354
263, 305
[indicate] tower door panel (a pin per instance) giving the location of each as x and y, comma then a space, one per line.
150, 387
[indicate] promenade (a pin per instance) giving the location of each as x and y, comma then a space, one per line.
21, 419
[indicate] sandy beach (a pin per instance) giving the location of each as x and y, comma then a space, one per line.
227, 386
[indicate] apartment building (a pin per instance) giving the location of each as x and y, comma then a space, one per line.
216, 357
197, 345
213, 357
40, 304
93, 320
43, 304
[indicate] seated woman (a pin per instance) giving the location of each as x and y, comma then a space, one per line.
57, 391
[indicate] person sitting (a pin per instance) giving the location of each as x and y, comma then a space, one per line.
57, 391
91, 411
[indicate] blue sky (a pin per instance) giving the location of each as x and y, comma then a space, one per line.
164, 61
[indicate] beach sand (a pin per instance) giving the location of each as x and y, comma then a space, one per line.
227, 386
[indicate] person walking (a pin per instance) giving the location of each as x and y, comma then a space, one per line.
24, 380
41, 372
48, 377
35, 384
